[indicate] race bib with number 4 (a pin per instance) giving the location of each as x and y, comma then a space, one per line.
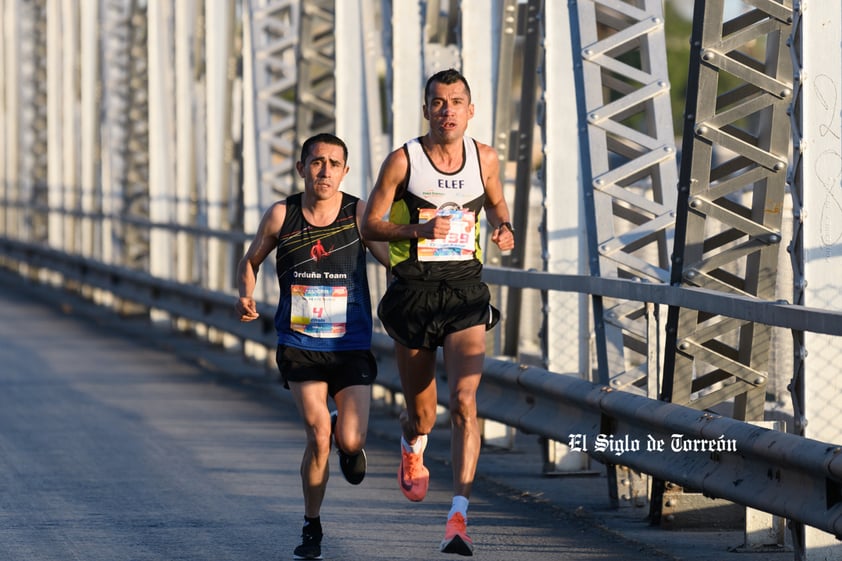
319, 311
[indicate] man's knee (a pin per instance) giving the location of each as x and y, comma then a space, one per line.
351, 444
319, 442
463, 405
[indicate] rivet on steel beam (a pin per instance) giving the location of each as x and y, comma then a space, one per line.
701, 130
708, 56
786, 92
779, 166
683, 346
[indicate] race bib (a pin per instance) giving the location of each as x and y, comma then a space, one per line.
460, 242
319, 311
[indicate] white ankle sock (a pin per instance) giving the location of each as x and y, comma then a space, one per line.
460, 505
416, 447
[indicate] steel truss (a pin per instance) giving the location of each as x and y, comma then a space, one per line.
629, 185
272, 28
731, 196
316, 85
730, 209
126, 129
28, 215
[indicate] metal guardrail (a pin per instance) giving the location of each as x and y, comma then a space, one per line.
783, 474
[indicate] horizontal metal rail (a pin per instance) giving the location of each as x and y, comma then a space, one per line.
772, 471
778, 314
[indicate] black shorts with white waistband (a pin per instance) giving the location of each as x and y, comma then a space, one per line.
420, 314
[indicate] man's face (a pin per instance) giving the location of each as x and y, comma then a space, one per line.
323, 170
448, 109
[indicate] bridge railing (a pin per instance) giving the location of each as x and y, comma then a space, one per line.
772, 471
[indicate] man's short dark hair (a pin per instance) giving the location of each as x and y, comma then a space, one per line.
326, 138
447, 77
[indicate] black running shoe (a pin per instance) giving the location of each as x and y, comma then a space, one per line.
311, 545
352, 465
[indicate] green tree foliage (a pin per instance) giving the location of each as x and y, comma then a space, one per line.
678, 30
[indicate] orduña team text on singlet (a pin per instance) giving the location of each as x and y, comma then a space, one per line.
325, 304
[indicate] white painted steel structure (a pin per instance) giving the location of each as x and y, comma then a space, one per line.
149, 135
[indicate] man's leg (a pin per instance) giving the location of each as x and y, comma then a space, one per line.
417, 372
311, 400
352, 405
417, 368
464, 355
350, 429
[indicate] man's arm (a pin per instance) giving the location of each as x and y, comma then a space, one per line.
496, 208
375, 225
261, 246
380, 250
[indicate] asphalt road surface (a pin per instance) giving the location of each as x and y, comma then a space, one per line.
114, 447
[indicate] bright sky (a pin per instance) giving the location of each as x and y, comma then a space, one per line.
732, 7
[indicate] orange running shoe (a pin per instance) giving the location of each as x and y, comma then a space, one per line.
413, 477
456, 539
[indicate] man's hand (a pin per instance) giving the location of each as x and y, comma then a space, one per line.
503, 237
436, 228
246, 309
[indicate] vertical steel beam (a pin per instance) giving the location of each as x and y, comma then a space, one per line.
521, 143
89, 83
816, 176
479, 33
359, 115
187, 159
161, 137
565, 331
406, 73
55, 95
219, 55
70, 132
11, 118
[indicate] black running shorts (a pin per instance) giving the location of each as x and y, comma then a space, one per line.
339, 369
419, 315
